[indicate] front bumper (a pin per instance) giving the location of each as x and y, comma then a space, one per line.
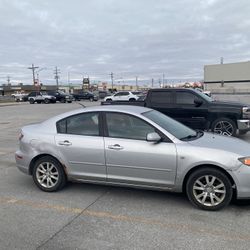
241, 178
243, 124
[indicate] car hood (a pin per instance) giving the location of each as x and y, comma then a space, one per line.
229, 104
229, 144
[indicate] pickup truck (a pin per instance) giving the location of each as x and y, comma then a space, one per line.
85, 95
197, 110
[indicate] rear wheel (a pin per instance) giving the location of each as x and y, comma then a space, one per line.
224, 126
108, 100
32, 101
91, 99
132, 99
46, 100
48, 174
209, 189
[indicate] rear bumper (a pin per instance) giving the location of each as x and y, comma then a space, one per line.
243, 124
22, 162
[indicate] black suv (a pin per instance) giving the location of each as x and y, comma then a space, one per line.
85, 95
61, 96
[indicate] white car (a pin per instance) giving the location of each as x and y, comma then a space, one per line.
122, 96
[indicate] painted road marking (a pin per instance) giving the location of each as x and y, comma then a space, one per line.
125, 218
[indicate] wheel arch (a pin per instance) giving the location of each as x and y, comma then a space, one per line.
210, 166
36, 158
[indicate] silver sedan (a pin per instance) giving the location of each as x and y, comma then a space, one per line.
136, 147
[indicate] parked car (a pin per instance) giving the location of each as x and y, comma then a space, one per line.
20, 97
40, 97
61, 96
122, 96
197, 110
136, 147
85, 95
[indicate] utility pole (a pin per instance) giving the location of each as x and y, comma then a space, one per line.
8, 80
136, 82
56, 73
163, 80
33, 72
112, 80
152, 82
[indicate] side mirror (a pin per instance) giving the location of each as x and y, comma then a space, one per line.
198, 102
153, 137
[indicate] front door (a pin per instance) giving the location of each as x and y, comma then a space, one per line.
131, 159
81, 145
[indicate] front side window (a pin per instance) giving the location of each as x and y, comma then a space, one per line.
81, 124
121, 125
185, 98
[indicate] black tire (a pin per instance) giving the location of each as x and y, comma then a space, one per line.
132, 99
32, 101
46, 100
69, 101
57, 172
108, 100
91, 99
194, 189
224, 126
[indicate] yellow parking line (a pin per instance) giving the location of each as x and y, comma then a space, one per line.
130, 219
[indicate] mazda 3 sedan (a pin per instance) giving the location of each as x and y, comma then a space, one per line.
136, 147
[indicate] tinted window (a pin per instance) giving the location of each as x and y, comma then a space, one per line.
162, 97
82, 124
127, 126
185, 98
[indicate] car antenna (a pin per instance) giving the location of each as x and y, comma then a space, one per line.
82, 105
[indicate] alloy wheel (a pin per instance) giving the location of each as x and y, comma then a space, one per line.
47, 174
209, 190
224, 128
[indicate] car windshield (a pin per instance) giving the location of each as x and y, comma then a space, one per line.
43, 93
175, 128
61, 92
204, 96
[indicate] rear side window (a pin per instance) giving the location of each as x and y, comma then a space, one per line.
81, 124
162, 97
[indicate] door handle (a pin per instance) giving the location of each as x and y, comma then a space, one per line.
65, 143
115, 147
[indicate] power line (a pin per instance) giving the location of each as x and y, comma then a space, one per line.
33, 72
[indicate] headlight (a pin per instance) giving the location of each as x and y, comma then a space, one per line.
245, 160
245, 112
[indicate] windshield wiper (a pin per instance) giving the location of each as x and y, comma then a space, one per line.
199, 133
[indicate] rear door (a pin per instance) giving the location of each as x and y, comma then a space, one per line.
163, 101
80, 142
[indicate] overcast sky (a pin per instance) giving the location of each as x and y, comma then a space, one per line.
143, 38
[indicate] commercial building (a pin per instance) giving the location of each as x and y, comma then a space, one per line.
227, 78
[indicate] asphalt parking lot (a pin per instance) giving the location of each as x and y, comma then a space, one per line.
84, 216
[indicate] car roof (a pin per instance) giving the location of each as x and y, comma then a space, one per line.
136, 110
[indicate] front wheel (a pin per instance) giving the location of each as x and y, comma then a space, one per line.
48, 174
224, 126
91, 99
209, 189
